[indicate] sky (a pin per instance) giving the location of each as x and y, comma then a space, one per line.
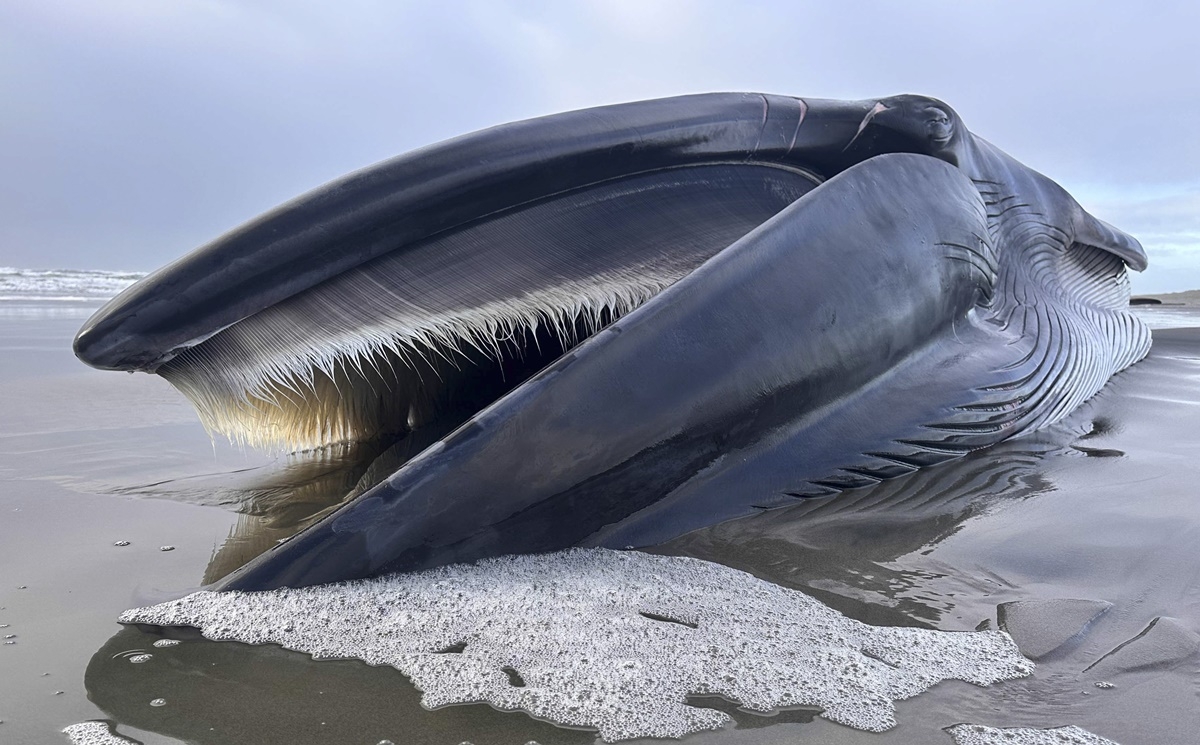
132, 131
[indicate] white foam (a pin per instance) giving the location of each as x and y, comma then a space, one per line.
1167, 317
974, 734
94, 733
571, 626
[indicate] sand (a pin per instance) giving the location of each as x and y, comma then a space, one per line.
1105, 508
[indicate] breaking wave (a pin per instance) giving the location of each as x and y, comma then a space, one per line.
62, 285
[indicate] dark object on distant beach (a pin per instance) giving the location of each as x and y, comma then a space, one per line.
734, 301
1145, 301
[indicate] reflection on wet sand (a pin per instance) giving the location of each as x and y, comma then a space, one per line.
273, 503
794, 546
221, 693
843, 549
1100, 509
276, 502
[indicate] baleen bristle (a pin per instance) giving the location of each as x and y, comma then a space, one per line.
257, 385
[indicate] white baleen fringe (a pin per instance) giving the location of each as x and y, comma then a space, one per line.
318, 369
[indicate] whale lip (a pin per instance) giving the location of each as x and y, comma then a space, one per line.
103, 343
106, 343
120, 335
95, 346
1132, 254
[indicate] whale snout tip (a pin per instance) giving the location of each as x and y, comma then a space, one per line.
1135, 259
104, 344
95, 348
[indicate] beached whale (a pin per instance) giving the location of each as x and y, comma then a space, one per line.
613, 326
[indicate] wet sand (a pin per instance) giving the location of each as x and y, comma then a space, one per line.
1104, 507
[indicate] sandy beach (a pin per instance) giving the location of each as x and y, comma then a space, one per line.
588, 279
1102, 508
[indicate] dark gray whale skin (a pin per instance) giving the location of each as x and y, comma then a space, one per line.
925, 296
438, 188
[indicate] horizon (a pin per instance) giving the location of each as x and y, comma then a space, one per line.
7, 270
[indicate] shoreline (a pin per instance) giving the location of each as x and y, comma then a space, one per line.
1186, 299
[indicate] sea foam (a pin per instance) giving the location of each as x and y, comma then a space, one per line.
975, 734
615, 641
94, 733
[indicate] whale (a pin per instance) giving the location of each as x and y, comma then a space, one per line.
615, 326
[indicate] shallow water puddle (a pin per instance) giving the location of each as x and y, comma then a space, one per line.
605, 640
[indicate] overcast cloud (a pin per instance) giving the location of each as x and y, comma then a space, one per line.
132, 131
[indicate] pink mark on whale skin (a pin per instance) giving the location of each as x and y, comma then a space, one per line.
875, 111
799, 121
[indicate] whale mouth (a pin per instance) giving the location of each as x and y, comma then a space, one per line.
421, 289
334, 388
355, 359
431, 333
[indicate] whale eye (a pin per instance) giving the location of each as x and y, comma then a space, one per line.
938, 125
